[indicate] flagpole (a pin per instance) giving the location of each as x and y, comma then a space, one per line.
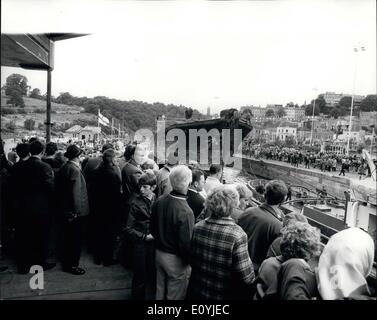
99, 129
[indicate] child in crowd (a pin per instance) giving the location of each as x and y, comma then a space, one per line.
138, 234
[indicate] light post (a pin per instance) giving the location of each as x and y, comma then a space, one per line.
356, 49
311, 131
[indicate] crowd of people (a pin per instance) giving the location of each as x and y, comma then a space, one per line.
184, 233
324, 161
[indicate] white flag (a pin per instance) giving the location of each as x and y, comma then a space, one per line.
102, 119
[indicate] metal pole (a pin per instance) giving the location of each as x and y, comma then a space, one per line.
311, 133
48, 107
353, 93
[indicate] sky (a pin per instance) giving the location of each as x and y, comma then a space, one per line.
217, 54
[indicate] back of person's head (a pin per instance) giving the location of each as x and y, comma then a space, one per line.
32, 139
51, 148
350, 255
275, 192
221, 201
23, 150
59, 156
196, 175
107, 146
129, 151
36, 147
214, 169
300, 240
147, 178
180, 178
108, 156
292, 216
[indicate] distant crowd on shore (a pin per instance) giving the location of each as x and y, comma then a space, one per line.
324, 161
184, 233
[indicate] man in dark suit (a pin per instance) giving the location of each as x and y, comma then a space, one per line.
263, 224
194, 199
35, 185
73, 203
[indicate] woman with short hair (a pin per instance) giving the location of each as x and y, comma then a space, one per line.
289, 276
219, 258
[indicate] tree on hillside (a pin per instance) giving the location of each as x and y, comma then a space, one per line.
335, 113
16, 87
29, 124
281, 112
309, 110
321, 103
65, 98
369, 103
270, 113
35, 93
345, 102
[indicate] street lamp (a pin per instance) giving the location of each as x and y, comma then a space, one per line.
356, 49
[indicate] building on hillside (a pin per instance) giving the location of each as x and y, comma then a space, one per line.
283, 132
368, 119
209, 111
73, 133
332, 98
293, 113
258, 112
90, 133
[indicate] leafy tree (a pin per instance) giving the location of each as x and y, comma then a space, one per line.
281, 112
35, 93
309, 110
16, 82
321, 103
270, 113
369, 103
29, 124
65, 98
335, 112
16, 98
345, 102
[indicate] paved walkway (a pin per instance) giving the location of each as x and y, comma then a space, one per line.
98, 283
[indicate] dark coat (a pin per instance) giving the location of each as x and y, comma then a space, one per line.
105, 190
172, 224
71, 190
262, 227
34, 181
54, 164
138, 224
131, 174
296, 281
195, 201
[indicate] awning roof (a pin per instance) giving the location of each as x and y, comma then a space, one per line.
31, 51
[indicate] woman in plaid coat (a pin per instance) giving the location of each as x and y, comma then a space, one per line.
219, 257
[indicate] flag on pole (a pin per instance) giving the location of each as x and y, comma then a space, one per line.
103, 120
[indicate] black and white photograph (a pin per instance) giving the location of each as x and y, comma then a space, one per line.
205, 152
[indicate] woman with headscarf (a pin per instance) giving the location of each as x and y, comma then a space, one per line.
344, 265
